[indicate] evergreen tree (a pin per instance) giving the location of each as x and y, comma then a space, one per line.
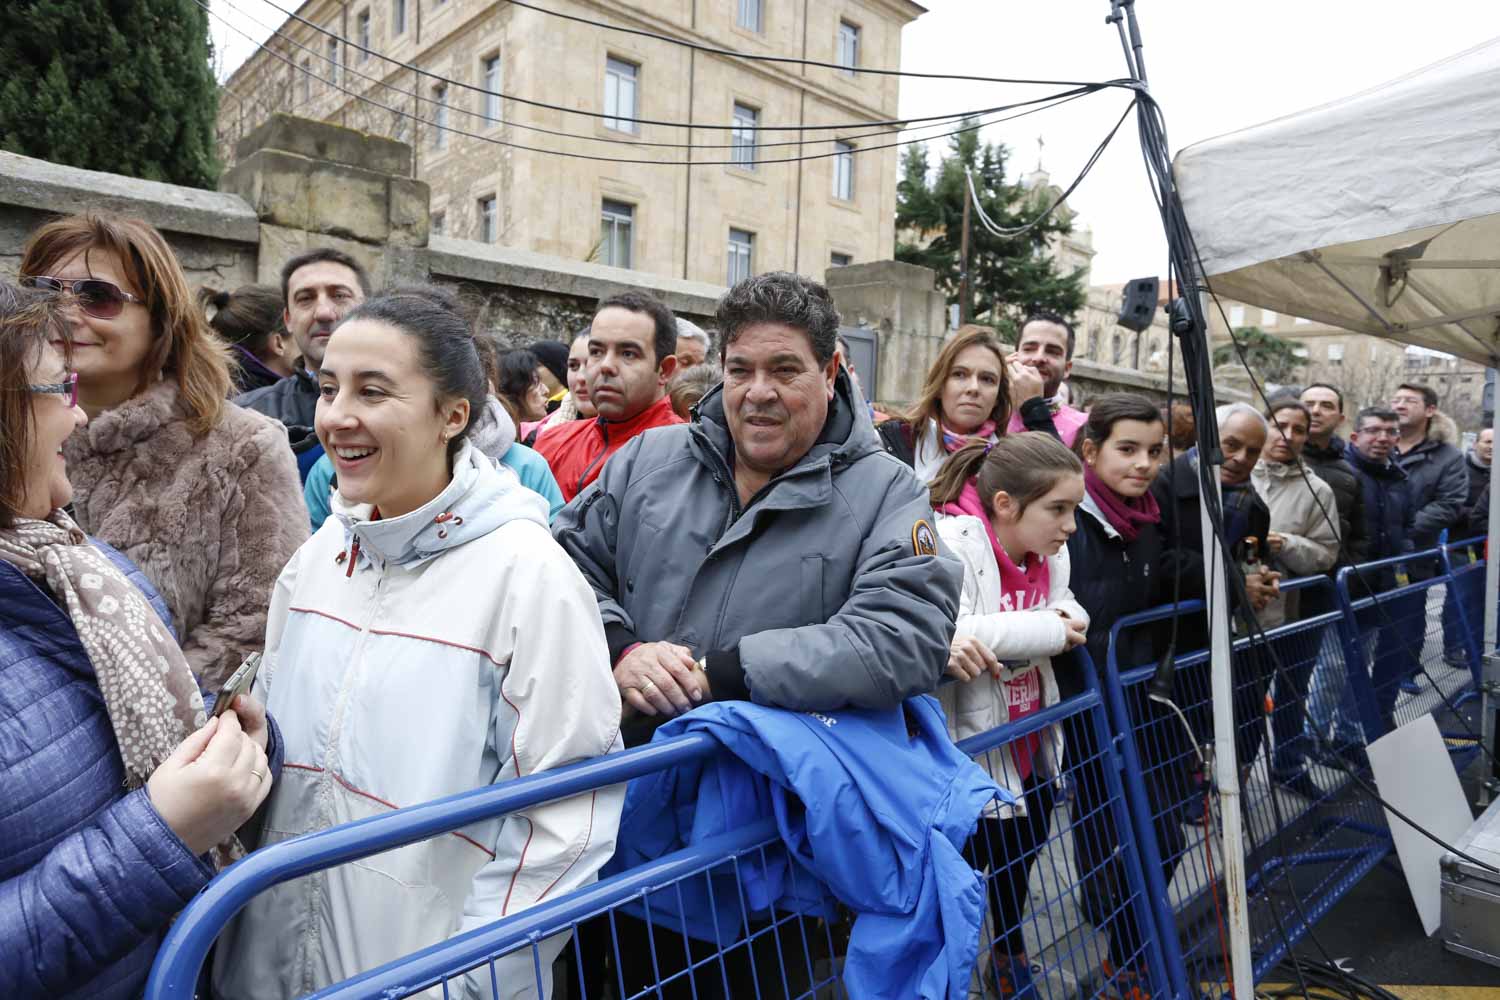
1009, 277
124, 86
1272, 358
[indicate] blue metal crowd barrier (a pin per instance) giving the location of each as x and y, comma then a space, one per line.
1109, 883
1068, 901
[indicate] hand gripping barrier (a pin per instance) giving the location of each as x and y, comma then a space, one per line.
1067, 907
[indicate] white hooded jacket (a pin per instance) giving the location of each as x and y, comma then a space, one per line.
1022, 640
409, 659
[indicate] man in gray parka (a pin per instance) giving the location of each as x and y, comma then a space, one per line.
770, 550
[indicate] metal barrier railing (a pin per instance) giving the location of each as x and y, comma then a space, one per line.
1108, 886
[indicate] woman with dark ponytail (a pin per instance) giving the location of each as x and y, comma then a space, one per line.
1006, 511
248, 319
431, 637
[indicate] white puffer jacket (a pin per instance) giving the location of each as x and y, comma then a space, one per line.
1022, 640
409, 659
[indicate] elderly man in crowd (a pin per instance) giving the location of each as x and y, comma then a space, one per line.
771, 551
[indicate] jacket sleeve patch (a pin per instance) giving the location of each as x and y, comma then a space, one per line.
923, 541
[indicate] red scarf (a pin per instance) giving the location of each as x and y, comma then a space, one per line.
1125, 516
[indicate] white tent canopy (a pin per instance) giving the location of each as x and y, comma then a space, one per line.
1378, 213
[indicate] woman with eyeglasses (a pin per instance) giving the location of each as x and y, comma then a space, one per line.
202, 495
119, 800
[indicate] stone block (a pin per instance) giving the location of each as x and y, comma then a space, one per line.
323, 141
278, 244
410, 215
274, 183
344, 201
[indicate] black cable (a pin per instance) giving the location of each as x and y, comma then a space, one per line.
331, 81
612, 159
842, 127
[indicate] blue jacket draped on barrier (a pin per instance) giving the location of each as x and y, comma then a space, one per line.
896, 803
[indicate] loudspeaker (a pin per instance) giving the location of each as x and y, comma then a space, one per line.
1139, 304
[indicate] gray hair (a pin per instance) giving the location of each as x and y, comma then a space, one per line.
687, 329
781, 297
1227, 411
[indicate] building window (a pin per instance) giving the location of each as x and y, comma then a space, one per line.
307, 75
848, 46
616, 233
398, 17
745, 120
843, 171
620, 95
439, 224
362, 34
1236, 317
440, 116
1267, 319
741, 256
1335, 354
837, 259
488, 224
333, 62
491, 76
749, 15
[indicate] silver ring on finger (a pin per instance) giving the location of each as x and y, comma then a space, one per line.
259, 775
647, 685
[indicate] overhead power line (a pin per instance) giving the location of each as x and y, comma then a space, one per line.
1079, 86
1055, 100
416, 95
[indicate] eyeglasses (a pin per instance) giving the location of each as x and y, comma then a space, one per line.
68, 387
97, 297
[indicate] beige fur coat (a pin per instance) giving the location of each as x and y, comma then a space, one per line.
210, 520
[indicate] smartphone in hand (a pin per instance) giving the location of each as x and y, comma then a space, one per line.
239, 683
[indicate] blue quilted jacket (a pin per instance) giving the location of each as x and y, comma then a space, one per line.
90, 875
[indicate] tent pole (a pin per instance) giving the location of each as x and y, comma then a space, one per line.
1491, 670
1226, 763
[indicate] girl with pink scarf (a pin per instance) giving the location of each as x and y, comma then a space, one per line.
1008, 510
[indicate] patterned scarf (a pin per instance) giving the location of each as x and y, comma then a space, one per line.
149, 691
953, 440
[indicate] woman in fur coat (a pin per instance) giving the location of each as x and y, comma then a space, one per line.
202, 495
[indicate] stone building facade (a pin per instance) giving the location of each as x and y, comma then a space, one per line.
404, 69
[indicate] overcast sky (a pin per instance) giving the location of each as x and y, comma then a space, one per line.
1214, 66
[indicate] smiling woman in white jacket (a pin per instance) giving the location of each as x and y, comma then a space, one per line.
1008, 511
431, 638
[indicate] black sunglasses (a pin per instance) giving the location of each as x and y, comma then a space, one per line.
97, 297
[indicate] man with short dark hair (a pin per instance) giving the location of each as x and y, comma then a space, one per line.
1439, 487
1324, 455
771, 551
1046, 343
319, 288
631, 360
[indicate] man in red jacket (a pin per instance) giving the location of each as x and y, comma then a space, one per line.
632, 342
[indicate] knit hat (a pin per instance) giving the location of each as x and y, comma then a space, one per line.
554, 355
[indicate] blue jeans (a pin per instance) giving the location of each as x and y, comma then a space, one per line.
1329, 703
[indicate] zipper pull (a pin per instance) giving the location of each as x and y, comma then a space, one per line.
353, 558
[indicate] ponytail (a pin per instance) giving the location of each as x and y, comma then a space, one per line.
1026, 466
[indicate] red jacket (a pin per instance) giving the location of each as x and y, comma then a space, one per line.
577, 450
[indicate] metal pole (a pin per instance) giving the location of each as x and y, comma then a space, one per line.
963, 265
1226, 765
1491, 672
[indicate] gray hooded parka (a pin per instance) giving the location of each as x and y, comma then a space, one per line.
821, 589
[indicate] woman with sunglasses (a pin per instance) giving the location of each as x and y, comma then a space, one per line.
119, 800
202, 495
